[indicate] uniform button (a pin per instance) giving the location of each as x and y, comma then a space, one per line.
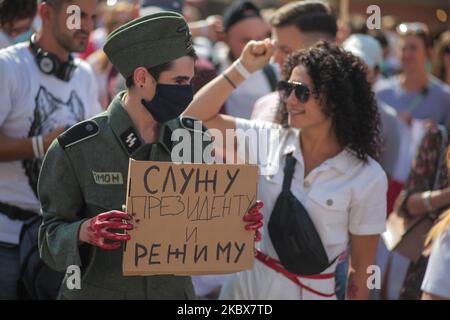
189, 123
329, 202
89, 127
306, 184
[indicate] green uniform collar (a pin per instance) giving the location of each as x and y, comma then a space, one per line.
123, 127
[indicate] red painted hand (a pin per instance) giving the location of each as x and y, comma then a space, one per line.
95, 230
255, 219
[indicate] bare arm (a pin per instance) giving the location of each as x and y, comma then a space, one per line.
15, 149
438, 199
21, 149
363, 250
421, 177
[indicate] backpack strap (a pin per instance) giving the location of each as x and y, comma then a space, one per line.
271, 76
288, 172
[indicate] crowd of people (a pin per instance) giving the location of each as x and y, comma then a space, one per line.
361, 119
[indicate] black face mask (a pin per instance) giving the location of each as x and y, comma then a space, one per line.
169, 102
292, 232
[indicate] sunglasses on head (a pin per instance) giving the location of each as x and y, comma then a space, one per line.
285, 88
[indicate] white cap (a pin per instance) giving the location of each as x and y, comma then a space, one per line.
365, 47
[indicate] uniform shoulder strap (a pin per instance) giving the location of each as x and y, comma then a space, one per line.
79, 132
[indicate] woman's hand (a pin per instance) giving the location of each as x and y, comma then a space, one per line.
95, 230
256, 54
254, 218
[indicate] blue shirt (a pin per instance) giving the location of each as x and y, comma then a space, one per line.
432, 104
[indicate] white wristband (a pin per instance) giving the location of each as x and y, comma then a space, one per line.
40, 145
241, 69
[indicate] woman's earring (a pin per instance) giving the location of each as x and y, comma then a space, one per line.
142, 86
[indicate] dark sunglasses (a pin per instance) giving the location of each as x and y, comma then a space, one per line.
285, 88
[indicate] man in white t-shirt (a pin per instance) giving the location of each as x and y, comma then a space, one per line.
44, 91
243, 22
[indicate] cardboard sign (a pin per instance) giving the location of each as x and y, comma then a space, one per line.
188, 218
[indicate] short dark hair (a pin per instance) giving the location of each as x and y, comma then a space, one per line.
307, 16
13, 10
157, 70
239, 11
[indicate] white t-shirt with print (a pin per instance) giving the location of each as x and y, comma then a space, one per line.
343, 196
32, 104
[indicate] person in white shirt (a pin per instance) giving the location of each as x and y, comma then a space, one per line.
436, 283
44, 91
331, 128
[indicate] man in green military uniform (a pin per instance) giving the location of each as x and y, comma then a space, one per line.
82, 185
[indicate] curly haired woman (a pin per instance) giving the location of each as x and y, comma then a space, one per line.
331, 130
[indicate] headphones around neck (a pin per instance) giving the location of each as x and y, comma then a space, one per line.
50, 64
